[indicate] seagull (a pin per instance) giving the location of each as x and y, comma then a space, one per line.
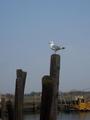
55, 47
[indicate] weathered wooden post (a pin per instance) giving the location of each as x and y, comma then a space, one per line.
19, 94
55, 67
50, 86
46, 99
54, 73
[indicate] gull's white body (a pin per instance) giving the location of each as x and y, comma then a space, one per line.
55, 47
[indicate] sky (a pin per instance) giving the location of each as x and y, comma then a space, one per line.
27, 26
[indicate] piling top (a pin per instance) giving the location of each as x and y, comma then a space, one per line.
19, 72
46, 79
55, 55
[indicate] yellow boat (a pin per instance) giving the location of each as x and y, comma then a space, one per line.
80, 104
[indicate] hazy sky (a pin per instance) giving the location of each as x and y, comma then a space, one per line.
27, 26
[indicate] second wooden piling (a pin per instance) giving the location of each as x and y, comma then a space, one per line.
50, 88
19, 94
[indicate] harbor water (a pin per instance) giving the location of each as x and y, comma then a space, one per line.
62, 116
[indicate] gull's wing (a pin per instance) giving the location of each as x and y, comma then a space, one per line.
55, 47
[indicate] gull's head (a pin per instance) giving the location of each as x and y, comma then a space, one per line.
51, 42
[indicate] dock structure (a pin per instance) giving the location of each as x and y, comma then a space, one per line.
50, 88
19, 94
3, 108
9, 109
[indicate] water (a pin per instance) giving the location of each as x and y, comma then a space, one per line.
63, 116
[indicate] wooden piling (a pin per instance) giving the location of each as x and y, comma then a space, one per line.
46, 99
54, 74
50, 87
19, 94
55, 68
